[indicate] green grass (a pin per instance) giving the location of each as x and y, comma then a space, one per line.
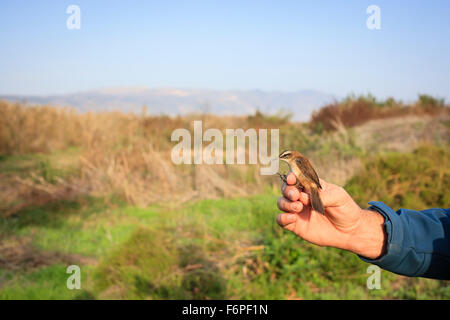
50, 167
47, 283
146, 254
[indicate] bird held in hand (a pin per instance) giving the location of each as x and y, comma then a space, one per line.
307, 178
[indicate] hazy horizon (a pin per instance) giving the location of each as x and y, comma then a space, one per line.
177, 101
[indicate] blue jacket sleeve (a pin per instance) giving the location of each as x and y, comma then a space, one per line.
418, 242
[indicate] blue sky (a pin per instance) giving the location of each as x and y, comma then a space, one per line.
267, 45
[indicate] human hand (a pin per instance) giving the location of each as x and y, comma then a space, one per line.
344, 225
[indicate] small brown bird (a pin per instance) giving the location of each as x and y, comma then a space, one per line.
307, 178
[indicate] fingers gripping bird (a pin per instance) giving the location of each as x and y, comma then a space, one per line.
307, 178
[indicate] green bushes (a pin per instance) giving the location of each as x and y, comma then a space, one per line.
418, 180
153, 264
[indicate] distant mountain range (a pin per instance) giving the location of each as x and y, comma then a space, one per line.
183, 101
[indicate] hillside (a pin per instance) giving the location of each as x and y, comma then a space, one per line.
172, 101
97, 190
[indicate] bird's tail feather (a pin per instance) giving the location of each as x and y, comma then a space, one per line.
316, 202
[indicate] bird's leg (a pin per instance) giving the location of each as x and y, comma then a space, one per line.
283, 177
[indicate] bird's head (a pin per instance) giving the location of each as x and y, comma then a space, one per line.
289, 156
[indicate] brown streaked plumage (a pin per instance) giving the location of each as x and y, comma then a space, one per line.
307, 178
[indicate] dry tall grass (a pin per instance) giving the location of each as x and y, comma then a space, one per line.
125, 155
128, 155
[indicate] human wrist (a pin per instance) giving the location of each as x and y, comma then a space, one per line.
369, 238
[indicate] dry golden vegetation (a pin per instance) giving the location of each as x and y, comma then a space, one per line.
109, 154
128, 155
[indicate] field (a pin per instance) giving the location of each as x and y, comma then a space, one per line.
99, 191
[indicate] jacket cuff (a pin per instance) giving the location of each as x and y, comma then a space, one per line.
395, 235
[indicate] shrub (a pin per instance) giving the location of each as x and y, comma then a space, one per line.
418, 180
354, 111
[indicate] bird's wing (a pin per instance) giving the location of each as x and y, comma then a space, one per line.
308, 171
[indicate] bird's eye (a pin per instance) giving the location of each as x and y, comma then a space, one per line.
284, 154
